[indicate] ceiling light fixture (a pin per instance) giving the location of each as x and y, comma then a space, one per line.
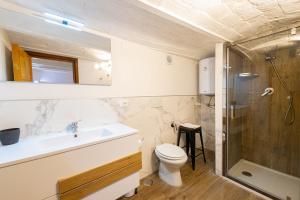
64, 22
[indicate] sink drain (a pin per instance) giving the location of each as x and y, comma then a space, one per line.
246, 173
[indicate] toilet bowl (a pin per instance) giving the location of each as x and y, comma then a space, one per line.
172, 158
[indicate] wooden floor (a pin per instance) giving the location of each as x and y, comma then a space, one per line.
200, 184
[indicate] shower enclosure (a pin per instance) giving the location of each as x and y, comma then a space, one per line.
263, 115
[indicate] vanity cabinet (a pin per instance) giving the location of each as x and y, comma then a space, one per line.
42, 178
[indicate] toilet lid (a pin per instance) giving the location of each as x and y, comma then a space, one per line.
170, 151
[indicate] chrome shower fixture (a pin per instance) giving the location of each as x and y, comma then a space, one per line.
247, 75
290, 115
268, 91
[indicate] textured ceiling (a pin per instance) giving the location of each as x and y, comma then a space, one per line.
125, 20
187, 27
234, 19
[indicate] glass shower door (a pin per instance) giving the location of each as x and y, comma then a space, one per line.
262, 148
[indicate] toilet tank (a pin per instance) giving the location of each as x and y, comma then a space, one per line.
207, 76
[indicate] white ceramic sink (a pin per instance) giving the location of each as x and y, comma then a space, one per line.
81, 137
41, 146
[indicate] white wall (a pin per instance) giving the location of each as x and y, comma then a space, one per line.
5, 47
137, 71
219, 93
91, 73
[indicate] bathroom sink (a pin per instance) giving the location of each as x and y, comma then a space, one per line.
81, 137
45, 145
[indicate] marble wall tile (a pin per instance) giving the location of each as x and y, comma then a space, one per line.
36, 117
152, 116
207, 121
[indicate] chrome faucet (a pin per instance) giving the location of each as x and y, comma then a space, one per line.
73, 128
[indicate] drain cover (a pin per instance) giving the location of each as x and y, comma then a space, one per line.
148, 182
246, 173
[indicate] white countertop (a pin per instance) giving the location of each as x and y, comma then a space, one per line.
35, 147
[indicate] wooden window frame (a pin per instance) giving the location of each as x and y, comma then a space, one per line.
47, 56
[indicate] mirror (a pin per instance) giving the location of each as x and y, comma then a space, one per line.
54, 50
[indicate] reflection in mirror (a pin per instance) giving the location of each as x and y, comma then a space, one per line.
51, 71
50, 53
46, 70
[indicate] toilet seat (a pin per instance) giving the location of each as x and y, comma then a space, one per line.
170, 151
168, 157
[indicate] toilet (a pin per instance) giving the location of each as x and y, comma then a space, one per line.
172, 158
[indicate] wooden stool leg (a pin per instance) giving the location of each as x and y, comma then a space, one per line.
187, 145
193, 147
202, 146
178, 137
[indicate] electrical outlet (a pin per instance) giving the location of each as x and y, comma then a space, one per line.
123, 103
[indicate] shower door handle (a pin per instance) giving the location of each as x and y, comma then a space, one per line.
224, 133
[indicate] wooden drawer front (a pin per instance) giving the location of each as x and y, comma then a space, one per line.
83, 184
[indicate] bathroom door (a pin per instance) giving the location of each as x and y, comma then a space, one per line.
22, 67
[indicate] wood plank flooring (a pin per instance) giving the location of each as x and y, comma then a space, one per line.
199, 184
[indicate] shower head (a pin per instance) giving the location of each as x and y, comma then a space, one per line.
247, 75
